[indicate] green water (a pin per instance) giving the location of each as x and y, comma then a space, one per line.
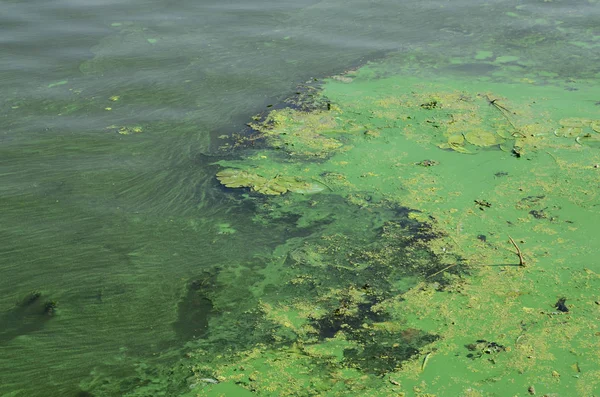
127, 269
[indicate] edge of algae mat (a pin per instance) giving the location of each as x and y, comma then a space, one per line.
526, 167
503, 332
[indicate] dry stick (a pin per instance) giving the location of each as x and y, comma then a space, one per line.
443, 270
519, 253
503, 111
554, 157
454, 264
425, 360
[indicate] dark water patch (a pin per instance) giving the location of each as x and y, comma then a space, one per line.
383, 352
28, 316
539, 214
195, 308
350, 314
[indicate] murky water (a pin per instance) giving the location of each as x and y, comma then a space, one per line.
111, 216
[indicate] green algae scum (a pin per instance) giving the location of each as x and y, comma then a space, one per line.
449, 245
424, 225
454, 251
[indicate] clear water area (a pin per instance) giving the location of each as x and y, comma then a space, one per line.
119, 246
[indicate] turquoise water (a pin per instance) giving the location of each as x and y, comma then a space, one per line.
111, 116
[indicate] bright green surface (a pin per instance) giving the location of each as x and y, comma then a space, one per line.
470, 290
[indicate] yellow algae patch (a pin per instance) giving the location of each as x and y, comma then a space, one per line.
306, 134
482, 138
232, 177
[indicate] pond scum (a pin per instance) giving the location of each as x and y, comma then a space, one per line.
449, 247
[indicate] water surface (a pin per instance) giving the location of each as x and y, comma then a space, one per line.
111, 113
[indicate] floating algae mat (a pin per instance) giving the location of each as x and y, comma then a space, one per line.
446, 246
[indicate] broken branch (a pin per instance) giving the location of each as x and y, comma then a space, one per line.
519, 253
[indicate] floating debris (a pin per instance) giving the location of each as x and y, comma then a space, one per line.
427, 163
430, 105
560, 305
209, 380
425, 361
483, 347
483, 204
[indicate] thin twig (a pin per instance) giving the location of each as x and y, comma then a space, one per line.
425, 360
519, 253
454, 264
443, 270
503, 111
322, 183
554, 157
